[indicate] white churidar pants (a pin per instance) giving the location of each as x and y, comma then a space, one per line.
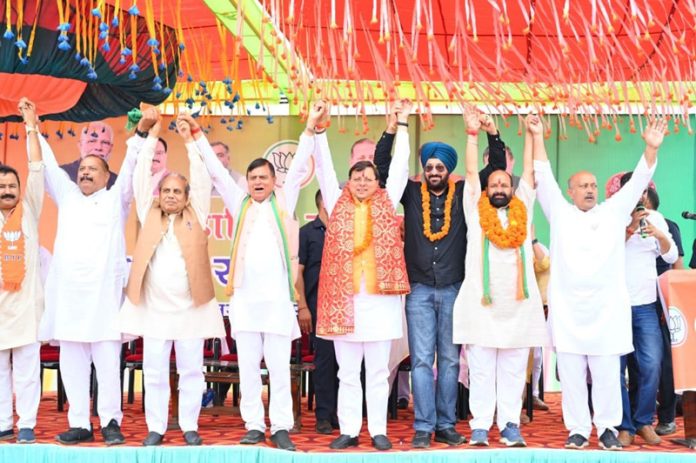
349, 356
274, 349
496, 380
189, 366
606, 392
75, 368
25, 371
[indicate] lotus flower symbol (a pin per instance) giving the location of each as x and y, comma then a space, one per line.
11, 236
282, 161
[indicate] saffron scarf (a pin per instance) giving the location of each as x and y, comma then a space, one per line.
12, 251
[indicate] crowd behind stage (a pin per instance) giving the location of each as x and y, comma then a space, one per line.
463, 267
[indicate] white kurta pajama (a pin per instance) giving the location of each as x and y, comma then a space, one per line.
589, 307
84, 287
20, 312
262, 316
166, 314
377, 317
498, 336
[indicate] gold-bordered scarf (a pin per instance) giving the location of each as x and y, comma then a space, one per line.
277, 215
12, 251
335, 299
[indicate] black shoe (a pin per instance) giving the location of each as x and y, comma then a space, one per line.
153, 438
281, 439
608, 441
402, 403
381, 442
7, 435
75, 435
192, 438
576, 441
112, 434
421, 440
343, 442
324, 427
449, 436
253, 437
665, 429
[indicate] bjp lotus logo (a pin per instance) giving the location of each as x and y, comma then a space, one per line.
12, 237
677, 327
281, 155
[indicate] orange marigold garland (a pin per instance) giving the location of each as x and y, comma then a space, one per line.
511, 237
425, 198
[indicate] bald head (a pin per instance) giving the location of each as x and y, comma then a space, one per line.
582, 189
96, 139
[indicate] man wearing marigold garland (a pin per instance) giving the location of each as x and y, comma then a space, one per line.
498, 313
362, 278
589, 305
435, 237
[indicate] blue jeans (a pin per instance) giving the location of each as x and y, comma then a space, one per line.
644, 367
429, 318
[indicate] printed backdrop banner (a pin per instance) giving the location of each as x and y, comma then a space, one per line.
678, 292
258, 139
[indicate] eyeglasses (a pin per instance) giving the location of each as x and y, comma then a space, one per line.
438, 167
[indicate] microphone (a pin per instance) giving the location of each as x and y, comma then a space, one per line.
689, 215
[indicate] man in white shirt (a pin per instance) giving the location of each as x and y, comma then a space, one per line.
263, 266
589, 305
21, 291
84, 287
647, 237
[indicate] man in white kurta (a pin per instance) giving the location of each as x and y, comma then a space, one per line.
589, 306
84, 287
377, 317
498, 335
166, 314
21, 308
262, 315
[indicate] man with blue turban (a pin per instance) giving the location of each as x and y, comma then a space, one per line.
435, 246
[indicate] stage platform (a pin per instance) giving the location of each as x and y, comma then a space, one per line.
545, 437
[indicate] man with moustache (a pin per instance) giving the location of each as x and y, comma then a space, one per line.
261, 283
170, 296
84, 287
498, 313
435, 247
96, 139
589, 305
21, 292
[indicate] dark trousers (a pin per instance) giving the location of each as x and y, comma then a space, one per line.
325, 380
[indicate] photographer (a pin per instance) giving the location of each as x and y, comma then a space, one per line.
648, 237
